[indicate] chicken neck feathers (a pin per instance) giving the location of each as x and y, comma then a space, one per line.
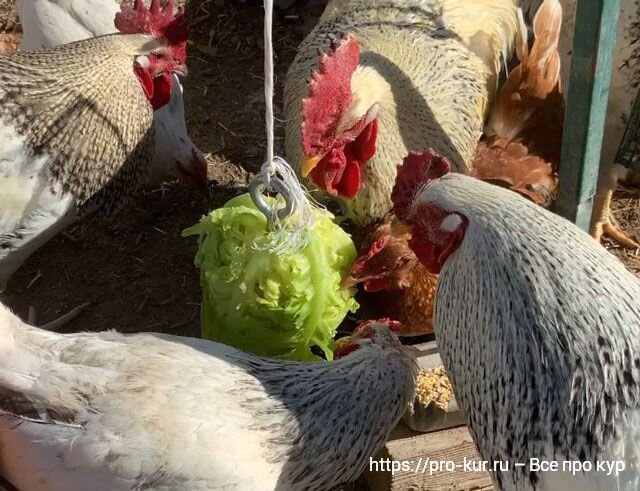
186, 413
539, 327
430, 86
82, 107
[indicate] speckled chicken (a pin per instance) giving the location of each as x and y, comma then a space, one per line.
537, 325
625, 80
108, 412
74, 140
393, 74
522, 154
50, 23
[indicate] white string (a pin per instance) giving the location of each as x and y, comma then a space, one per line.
270, 164
292, 230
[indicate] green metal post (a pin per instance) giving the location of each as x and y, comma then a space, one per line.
593, 46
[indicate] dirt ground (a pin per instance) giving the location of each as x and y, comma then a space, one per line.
138, 272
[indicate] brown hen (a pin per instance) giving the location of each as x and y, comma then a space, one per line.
394, 281
523, 138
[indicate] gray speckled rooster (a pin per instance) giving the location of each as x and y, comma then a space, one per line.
537, 324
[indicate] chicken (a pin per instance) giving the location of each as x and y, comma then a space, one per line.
537, 325
395, 282
523, 142
393, 73
9, 42
625, 79
74, 140
106, 411
50, 23
522, 154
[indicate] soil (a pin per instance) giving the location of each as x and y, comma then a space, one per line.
138, 272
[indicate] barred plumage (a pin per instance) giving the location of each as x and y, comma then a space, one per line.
83, 107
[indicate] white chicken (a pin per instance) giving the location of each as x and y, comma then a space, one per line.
49, 23
108, 412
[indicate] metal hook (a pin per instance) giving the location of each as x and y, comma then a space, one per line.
257, 186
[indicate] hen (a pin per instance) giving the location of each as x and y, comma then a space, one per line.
394, 281
522, 154
50, 23
537, 325
523, 140
625, 80
393, 73
106, 411
74, 140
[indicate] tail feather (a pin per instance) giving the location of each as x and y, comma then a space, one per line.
22, 353
488, 27
522, 42
534, 86
544, 53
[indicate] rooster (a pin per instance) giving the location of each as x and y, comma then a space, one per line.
537, 325
521, 153
393, 73
625, 79
74, 140
106, 411
50, 23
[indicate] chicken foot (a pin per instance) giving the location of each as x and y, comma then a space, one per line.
606, 225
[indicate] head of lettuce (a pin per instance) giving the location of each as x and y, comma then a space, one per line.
269, 304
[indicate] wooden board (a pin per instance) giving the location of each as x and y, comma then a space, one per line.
451, 445
446, 441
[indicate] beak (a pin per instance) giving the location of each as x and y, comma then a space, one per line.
309, 164
181, 70
348, 282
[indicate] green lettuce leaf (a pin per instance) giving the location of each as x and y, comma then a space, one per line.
268, 304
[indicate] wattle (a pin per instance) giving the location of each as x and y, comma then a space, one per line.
161, 90
157, 89
339, 172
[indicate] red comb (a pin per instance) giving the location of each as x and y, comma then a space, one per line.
156, 21
329, 95
375, 248
416, 171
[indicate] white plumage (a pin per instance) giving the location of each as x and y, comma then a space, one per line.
537, 324
30, 206
106, 411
